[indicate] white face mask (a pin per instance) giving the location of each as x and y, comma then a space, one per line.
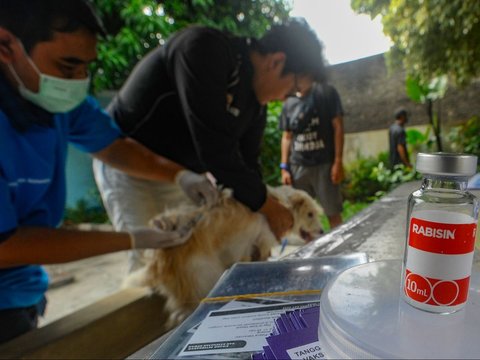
56, 95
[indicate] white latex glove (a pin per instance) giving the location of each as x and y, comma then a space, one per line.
200, 188
148, 238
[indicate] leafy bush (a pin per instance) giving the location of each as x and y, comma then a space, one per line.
135, 27
359, 184
349, 209
419, 142
87, 210
270, 151
83, 212
368, 179
466, 137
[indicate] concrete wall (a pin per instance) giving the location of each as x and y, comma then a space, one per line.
369, 143
370, 95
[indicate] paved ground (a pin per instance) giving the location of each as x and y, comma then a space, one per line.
94, 279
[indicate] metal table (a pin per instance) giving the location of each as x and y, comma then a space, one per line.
376, 233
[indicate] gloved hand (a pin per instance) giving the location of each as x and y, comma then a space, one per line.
148, 238
200, 188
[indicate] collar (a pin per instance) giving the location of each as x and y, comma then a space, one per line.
21, 113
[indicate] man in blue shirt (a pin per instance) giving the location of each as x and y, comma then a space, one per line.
45, 49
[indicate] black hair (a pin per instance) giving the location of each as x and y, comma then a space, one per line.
303, 49
33, 21
400, 112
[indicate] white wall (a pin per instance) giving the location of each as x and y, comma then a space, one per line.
368, 143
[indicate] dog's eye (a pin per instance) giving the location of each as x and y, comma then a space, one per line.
310, 214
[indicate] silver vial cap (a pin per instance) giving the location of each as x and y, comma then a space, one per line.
449, 164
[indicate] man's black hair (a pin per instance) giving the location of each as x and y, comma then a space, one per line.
303, 49
33, 21
400, 112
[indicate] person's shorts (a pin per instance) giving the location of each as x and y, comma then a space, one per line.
316, 181
15, 322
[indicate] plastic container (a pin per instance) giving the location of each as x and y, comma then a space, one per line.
362, 316
442, 221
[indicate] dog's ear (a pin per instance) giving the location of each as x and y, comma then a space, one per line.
297, 201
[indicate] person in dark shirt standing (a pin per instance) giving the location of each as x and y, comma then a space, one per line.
312, 147
200, 101
398, 140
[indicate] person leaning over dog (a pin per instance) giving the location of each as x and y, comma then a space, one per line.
45, 49
200, 100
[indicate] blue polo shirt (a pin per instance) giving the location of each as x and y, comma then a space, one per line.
32, 184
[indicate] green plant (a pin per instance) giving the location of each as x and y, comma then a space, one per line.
431, 38
427, 94
135, 27
83, 212
388, 178
270, 150
359, 185
87, 210
368, 179
418, 141
466, 137
349, 209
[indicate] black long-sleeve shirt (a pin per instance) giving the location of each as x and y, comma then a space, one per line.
192, 101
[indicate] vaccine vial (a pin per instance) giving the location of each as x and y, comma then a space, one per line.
441, 225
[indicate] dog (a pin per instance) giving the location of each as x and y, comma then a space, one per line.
222, 235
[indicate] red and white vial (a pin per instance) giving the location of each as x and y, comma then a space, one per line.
442, 221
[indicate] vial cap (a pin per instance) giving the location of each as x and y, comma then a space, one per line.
450, 164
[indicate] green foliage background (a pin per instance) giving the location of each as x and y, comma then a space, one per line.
466, 137
270, 155
135, 27
431, 37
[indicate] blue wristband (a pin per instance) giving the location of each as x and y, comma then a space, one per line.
284, 166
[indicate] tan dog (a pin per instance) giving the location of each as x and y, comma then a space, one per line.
222, 235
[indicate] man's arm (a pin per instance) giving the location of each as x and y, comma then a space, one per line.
402, 151
337, 167
38, 245
42, 245
285, 154
136, 160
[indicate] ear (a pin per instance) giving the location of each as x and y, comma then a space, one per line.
297, 201
7, 41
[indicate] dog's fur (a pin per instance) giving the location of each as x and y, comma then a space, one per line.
222, 235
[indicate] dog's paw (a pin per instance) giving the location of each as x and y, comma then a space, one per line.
165, 223
177, 317
175, 222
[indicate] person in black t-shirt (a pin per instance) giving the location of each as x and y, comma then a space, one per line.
398, 140
312, 147
200, 101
